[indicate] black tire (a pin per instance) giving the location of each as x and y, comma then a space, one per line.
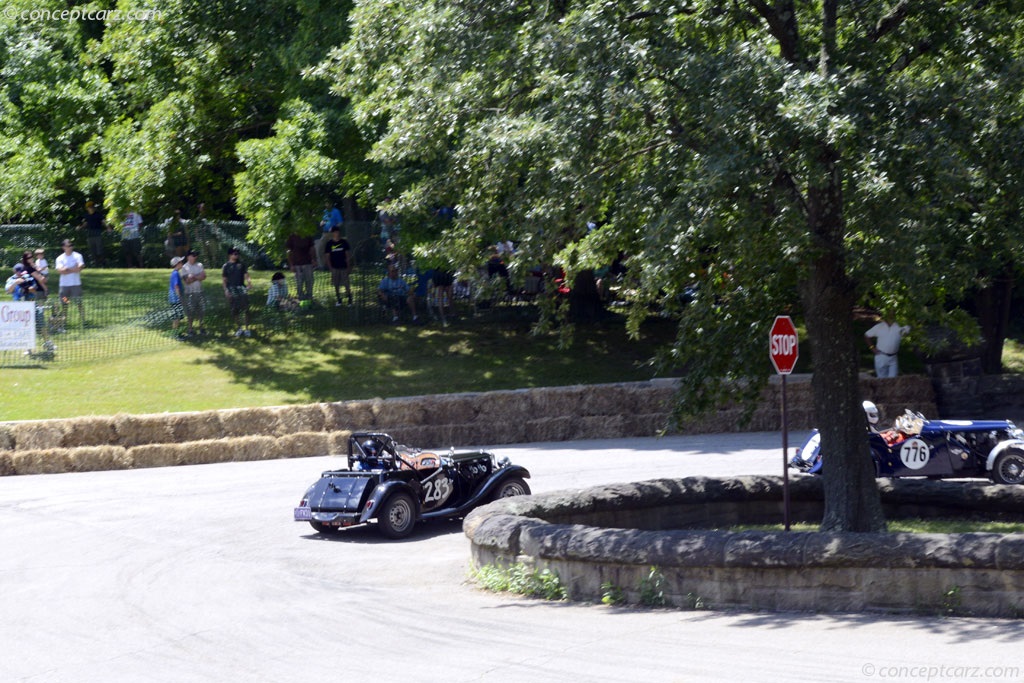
513, 486
1009, 468
322, 528
397, 517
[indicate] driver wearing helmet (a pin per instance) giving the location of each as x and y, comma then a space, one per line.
871, 411
370, 459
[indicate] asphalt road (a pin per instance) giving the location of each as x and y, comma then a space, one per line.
199, 574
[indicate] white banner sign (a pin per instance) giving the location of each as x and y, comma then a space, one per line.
17, 325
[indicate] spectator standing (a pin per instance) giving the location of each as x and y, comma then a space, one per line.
177, 235
176, 294
887, 335
301, 256
70, 265
192, 276
341, 260
95, 225
330, 221
237, 282
393, 292
131, 239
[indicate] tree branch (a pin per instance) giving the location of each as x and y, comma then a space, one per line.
781, 21
890, 22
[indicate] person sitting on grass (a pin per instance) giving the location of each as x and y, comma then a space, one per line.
393, 292
277, 295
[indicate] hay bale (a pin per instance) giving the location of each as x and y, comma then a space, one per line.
497, 406
197, 426
303, 445
99, 458
451, 409
38, 434
600, 427
549, 429
400, 411
89, 431
205, 452
156, 455
337, 442
6, 465
353, 415
295, 419
605, 399
140, 430
40, 461
249, 422
6, 438
248, 448
549, 402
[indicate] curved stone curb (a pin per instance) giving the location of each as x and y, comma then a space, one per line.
569, 532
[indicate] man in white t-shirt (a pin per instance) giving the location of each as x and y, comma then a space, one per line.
70, 264
131, 240
887, 335
192, 276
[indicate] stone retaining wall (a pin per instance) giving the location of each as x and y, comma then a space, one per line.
571, 533
439, 421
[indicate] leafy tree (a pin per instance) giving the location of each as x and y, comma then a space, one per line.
752, 157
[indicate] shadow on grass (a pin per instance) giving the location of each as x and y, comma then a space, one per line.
388, 361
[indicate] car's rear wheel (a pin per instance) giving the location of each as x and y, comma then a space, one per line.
513, 486
398, 516
322, 528
1009, 468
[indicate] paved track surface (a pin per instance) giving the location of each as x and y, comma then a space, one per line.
199, 574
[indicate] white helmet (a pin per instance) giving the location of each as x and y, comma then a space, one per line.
871, 410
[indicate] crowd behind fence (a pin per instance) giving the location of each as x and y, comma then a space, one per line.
113, 325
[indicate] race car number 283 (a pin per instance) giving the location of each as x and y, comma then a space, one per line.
437, 490
914, 453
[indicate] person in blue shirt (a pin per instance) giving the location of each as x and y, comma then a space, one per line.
176, 293
393, 292
331, 220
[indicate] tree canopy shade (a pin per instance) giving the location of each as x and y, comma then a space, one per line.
751, 157
193, 101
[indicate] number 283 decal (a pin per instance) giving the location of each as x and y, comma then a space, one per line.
914, 453
436, 490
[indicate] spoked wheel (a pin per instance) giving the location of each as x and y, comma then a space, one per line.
1009, 468
398, 516
513, 486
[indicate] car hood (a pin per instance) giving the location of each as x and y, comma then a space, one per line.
965, 425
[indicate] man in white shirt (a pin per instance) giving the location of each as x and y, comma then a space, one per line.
192, 276
887, 335
70, 264
131, 240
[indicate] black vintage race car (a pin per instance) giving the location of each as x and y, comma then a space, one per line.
397, 486
937, 449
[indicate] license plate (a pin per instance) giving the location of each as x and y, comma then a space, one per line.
303, 514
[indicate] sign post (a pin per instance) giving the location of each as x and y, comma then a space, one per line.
784, 349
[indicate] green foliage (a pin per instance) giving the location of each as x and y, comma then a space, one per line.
611, 594
522, 580
652, 589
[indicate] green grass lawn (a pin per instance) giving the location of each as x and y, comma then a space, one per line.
365, 362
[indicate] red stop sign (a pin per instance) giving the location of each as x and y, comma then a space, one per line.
783, 345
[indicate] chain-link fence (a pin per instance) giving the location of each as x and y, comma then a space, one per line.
112, 325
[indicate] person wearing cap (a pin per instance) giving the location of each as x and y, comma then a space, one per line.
70, 264
235, 276
176, 293
20, 285
95, 225
192, 276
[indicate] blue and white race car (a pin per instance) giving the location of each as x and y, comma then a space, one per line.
937, 449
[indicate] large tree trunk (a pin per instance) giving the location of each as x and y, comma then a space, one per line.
992, 305
852, 502
585, 305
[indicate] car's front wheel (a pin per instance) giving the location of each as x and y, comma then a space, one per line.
1009, 468
513, 486
398, 516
